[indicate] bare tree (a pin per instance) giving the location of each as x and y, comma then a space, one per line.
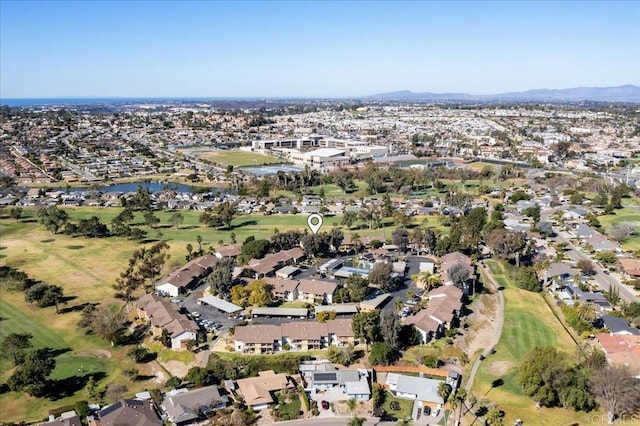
618, 390
621, 231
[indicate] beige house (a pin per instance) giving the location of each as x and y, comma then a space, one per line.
164, 315
316, 291
258, 391
296, 336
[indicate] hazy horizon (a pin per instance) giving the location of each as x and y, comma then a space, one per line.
311, 50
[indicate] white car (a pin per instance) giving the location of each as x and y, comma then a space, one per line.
195, 314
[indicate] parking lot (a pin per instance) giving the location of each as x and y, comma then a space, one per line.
208, 312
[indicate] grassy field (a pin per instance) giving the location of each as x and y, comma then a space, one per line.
626, 214
528, 322
79, 356
86, 269
239, 158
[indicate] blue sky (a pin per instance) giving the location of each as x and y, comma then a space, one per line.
312, 49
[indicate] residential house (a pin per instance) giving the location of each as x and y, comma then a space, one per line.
130, 412
233, 250
601, 243
187, 277
583, 231
164, 315
622, 350
351, 383
258, 392
316, 291
186, 407
571, 294
617, 325
575, 213
443, 312
630, 267
68, 418
421, 390
456, 258
560, 273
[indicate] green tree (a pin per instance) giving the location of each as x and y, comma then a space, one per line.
15, 345
200, 376
381, 354
325, 316
380, 275
176, 219
52, 218
259, 293
390, 328
540, 374
15, 213
506, 244
459, 275
366, 326
527, 279
349, 218
150, 219
31, 375
221, 278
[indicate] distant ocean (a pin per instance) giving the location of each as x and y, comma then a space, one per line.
75, 101
27, 102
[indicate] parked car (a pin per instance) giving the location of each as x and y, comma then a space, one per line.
195, 314
426, 410
325, 405
176, 300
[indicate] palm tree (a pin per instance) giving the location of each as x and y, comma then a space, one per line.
427, 279
398, 303
544, 268
356, 421
459, 397
444, 390
351, 403
586, 311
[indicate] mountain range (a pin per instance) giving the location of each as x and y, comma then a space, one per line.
626, 93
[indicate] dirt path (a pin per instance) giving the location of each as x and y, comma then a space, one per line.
497, 329
481, 325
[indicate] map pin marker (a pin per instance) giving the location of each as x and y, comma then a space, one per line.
315, 222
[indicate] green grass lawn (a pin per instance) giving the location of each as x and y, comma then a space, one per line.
165, 354
528, 322
626, 214
239, 158
291, 410
406, 405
